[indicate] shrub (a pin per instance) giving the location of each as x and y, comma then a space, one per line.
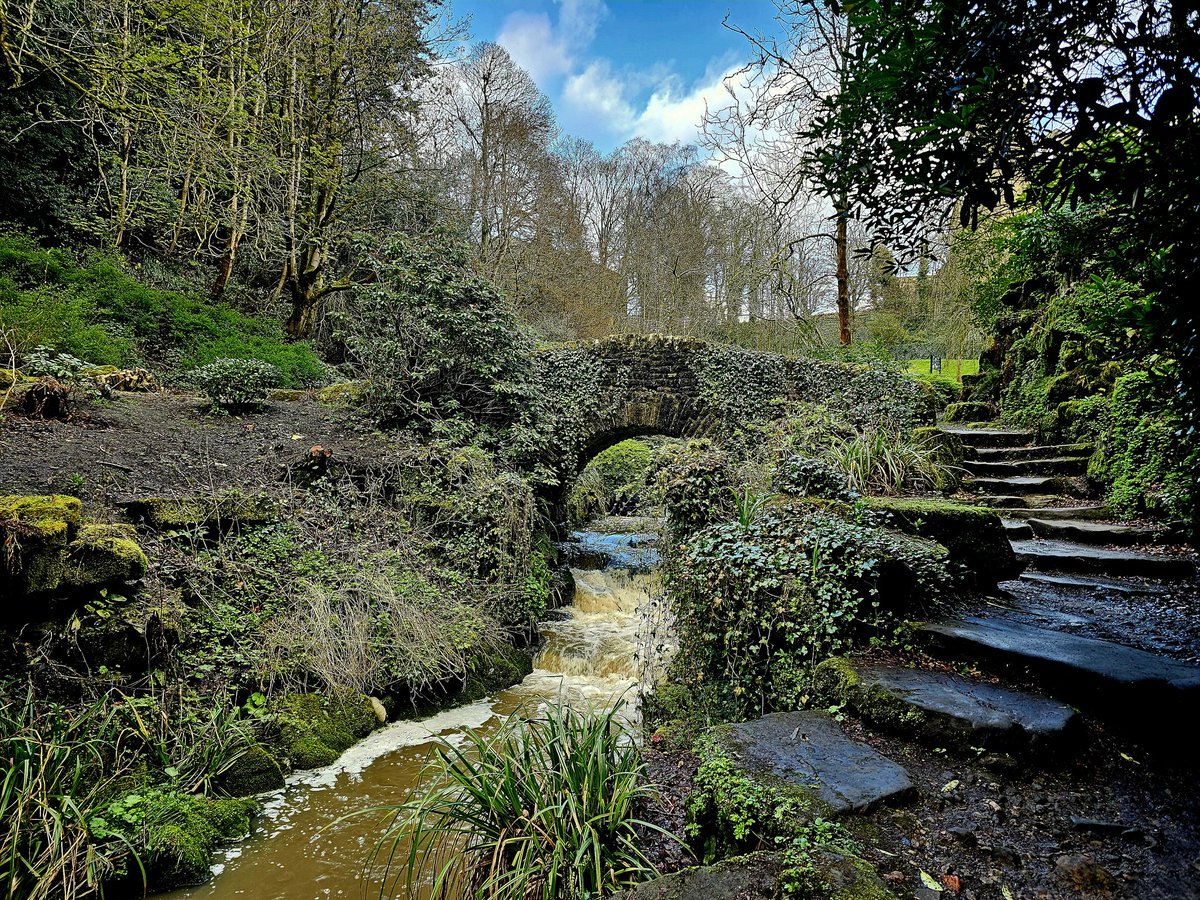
757, 607
434, 340
886, 461
236, 384
694, 482
804, 476
544, 809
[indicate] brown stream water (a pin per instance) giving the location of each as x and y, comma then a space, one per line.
298, 849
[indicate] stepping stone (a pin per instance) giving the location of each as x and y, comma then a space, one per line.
1118, 682
1061, 465
1095, 532
1067, 556
1025, 511
999, 454
810, 750
945, 709
1021, 484
989, 437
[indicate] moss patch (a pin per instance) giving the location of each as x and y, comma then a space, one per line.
343, 393
973, 535
313, 730
34, 533
254, 772
104, 553
227, 510
175, 834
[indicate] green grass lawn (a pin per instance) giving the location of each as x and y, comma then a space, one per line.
949, 366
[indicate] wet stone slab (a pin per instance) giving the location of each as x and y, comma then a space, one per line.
986, 712
811, 750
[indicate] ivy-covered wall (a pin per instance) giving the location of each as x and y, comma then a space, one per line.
592, 395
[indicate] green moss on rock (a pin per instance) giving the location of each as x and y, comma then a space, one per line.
181, 833
254, 772
313, 729
836, 682
35, 531
343, 393
973, 535
104, 553
969, 411
229, 509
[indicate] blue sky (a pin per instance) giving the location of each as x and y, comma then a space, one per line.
616, 69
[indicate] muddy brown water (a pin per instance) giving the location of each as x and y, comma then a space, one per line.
301, 848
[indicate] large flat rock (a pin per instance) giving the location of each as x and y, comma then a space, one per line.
1118, 682
1070, 556
1022, 485
810, 749
1020, 508
996, 454
980, 714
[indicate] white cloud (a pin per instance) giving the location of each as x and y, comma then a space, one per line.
547, 50
675, 113
598, 96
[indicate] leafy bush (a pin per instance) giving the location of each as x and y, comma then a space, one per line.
96, 310
804, 476
757, 607
236, 384
434, 340
544, 809
694, 482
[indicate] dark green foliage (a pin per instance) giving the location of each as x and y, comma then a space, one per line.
236, 384
435, 341
694, 481
804, 476
97, 311
757, 607
1141, 451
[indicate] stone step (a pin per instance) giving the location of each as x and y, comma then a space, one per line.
1066, 511
1022, 485
1017, 530
1060, 465
1118, 683
1068, 556
989, 437
1096, 583
1014, 454
1094, 532
810, 750
946, 709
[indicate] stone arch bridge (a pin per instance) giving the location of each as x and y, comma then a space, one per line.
601, 392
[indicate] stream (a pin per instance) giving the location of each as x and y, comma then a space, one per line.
593, 651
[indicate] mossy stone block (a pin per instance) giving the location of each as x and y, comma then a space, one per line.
36, 530
969, 411
972, 535
254, 772
232, 509
101, 554
343, 393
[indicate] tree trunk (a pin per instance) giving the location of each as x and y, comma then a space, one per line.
843, 278
304, 308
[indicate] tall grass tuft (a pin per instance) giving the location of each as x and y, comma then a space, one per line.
57, 771
884, 461
546, 808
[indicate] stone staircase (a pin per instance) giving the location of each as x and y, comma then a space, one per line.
1069, 623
